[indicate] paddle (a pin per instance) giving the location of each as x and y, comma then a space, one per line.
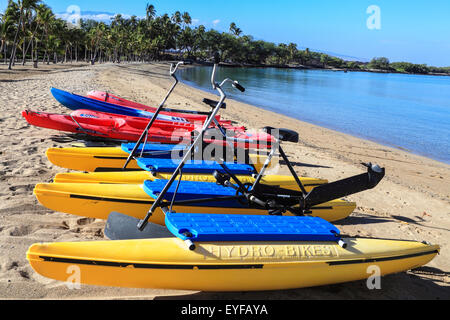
122, 227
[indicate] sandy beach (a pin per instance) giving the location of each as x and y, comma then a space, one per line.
411, 203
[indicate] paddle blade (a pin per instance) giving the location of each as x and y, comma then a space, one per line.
123, 227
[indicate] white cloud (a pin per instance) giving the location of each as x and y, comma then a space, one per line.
216, 22
195, 22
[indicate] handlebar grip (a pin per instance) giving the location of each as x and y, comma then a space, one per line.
174, 68
239, 87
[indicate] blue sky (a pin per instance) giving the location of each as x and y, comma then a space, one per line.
415, 31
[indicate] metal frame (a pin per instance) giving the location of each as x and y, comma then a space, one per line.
143, 223
276, 200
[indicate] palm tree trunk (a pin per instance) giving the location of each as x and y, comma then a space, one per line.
36, 57
24, 54
31, 42
3, 45
13, 52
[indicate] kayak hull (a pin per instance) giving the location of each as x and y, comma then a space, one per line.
108, 159
109, 98
98, 124
253, 266
88, 200
77, 102
138, 177
141, 123
91, 159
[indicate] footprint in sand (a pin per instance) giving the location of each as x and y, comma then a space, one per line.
23, 231
24, 274
8, 163
32, 150
12, 265
65, 225
85, 221
27, 188
75, 226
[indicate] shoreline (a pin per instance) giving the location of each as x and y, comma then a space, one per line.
410, 204
305, 67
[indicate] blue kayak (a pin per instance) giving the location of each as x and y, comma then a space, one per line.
155, 150
192, 190
158, 165
77, 102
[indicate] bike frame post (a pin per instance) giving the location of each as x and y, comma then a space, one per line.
144, 135
143, 223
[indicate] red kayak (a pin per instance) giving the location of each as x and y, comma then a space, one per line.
130, 129
143, 122
109, 98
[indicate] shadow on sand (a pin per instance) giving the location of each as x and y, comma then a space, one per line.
411, 285
417, 222
305, 165
363, 219
19, 80
141, 72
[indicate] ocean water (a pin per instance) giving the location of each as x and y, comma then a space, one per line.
411, 112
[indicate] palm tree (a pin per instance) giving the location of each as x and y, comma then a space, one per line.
42, 12
176, 18
150, 12
3, 32
324, 59
186, 18
96, 35
45, 19
10, 18
293, 51
24, 6
235, 30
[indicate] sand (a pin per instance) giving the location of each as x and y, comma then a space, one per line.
411, 203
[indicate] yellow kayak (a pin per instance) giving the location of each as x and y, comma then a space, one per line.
92, 201
138, 177
107, 159
252, 266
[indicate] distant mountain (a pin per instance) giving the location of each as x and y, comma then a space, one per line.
338, 55
101, 16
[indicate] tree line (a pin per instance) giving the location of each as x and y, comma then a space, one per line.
384, 64
29, 30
